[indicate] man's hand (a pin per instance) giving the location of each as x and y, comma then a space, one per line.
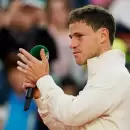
31, 67
36, 92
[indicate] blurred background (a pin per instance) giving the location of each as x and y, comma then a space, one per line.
26, 23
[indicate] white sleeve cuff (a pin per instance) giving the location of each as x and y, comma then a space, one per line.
42, 108
46, 86
39, 103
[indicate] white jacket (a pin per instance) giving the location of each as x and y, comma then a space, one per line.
104, 103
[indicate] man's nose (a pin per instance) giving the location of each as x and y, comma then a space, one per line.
73, 44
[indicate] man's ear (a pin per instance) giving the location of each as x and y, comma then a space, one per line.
104, 35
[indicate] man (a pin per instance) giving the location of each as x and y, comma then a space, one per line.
104, 102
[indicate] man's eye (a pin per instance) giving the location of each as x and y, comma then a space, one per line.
79, 35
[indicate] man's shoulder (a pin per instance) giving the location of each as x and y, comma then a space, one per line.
112, 77
120, 73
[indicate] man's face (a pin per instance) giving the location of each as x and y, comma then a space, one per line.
85, 43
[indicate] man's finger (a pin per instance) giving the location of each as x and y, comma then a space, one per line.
23, 58
27, 55
22, 70
43, 55
22, 65
28, 85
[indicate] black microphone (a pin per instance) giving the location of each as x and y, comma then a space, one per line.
35, 51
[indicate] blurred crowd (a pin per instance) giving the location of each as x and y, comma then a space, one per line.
26, 23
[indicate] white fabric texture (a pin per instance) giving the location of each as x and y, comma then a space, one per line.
102, 105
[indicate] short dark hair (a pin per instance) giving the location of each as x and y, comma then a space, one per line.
95, 16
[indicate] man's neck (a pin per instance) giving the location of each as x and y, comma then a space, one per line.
104, 49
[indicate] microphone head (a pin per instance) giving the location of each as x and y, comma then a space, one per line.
35, 51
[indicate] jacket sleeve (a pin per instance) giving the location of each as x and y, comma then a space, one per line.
92, 102
48, 119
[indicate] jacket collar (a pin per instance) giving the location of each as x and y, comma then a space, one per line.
106, 61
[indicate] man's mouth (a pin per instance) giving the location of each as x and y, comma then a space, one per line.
75, 53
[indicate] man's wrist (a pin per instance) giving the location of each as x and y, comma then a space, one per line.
37, 97
36, 94
45, 77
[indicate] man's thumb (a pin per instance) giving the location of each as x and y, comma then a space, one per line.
42, 54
